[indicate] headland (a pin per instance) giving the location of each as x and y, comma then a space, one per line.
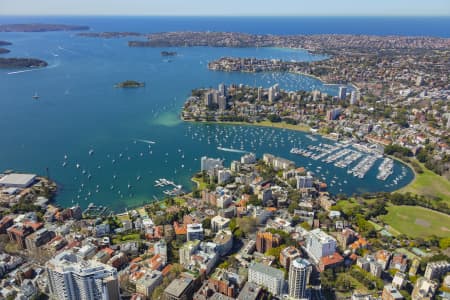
40, 27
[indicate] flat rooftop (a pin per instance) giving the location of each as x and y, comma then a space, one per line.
250, 291
218, 296
322, 236
220, 220
178, 286
16, 179
222, 237
261, 268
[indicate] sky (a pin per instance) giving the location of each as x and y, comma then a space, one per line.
228, 7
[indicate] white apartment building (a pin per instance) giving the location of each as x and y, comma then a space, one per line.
320, 244
270, 278
299, 273
73, 278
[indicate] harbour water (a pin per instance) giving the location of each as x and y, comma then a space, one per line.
95, 139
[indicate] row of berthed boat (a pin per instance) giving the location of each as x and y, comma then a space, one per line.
385, 169
343, 156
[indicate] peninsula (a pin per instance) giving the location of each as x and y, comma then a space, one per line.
241, 103
129, 84
385, 68
38, 27
108, 35
348, 116
6, 63
324, 43
254, 65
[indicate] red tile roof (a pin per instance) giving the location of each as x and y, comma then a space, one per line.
166, 270
137, 259
353, 257
109, 251
360, 243
134, 267
5, 219
16, 231
72, 244
179, 229
331, 259
34, 225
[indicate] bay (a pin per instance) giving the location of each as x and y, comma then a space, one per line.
79, 110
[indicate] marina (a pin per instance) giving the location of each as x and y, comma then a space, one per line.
385, 169
281, 157
141, 171
341, 156
361, 169
177, 189
139, 138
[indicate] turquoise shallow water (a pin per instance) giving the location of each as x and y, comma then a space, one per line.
79, 110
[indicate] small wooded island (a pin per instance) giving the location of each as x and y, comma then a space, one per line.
5, 43
10, 63
4, 50
129, 84
6, 63
168, 53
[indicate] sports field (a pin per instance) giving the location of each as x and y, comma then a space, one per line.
416, 221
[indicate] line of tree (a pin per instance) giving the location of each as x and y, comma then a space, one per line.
439, 166
393, 149
274, 118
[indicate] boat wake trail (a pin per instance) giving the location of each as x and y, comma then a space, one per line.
21, 71
32, 70
231, 150
68, 50
146, 141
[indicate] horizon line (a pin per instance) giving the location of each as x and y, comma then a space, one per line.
227, 16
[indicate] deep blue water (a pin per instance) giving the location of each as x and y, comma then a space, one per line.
429, 26
80, 110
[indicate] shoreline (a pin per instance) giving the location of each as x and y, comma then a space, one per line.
302, 128
198, 185
267, 124
409, 166
281, 125
322, 81
439, 187
314, 77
